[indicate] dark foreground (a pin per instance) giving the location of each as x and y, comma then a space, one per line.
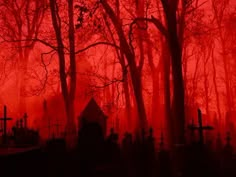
111, 161
96, 156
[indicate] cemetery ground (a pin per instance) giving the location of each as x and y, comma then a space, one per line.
96, 155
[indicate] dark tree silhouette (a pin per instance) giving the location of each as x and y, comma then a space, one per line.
68, 89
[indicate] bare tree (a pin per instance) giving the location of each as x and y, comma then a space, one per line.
22, 21
135, 70
68, 88
220, 9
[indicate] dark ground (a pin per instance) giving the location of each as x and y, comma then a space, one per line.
56, 163
95, 156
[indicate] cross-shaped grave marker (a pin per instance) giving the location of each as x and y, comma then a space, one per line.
17, 123
21, 123
192, 130
228, 149
25, 117
218, 142
50, 128
5, 119
228, 139
162, 141
200, 127
57, 125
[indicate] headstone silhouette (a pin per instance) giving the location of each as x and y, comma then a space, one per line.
23, 136
200, 127
90, 148
218, 143
17, 124
25, 117
163, 165
21, 123
228, 149
112, 148
5, 119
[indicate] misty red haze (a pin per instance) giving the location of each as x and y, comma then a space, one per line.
147, 63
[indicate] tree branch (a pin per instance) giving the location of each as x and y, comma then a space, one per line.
34, 39
95, 44
156, 22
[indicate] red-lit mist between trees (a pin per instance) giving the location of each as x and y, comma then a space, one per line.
147, 63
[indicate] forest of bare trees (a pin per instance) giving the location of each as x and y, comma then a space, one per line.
148, 63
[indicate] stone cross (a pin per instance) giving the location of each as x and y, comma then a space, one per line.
228, 139
150, 133
112, 132
50, 129
57, 125
25, 117
17, 124
228, 149
218, 142
21, 123
162, 141
5, 119
192, 130
200, 127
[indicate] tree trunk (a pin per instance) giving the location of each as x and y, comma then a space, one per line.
126, 92
134, 71
229, 98
71, 117
219, 8
27, 16
156, 97
68, 97
165, 57
216, 87
156, 71
178, 90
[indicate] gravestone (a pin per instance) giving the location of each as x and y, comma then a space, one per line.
150, 153
57, 125
128, 154
200, 128
199, 159
21, 123
228, 148
5, 119
192, 134
55, 144
151, 141
90, 148
17, 124
25, 117
230, 124
23, 135
218, 143
54, 134
112, 148
163, 160
127, 146
228, 163
113, 137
